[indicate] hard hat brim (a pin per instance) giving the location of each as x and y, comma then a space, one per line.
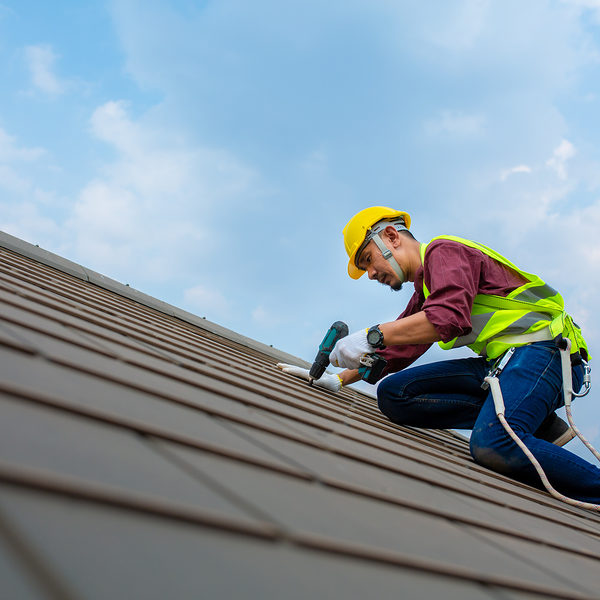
354, 271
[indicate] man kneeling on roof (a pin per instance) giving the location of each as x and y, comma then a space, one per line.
467, 295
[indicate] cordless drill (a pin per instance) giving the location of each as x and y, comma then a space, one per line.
371, 367
336, 332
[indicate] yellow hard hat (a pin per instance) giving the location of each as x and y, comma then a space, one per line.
358, 228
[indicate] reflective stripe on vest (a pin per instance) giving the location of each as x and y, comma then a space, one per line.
531, 307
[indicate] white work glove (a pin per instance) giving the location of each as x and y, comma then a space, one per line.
348, 350
330, 382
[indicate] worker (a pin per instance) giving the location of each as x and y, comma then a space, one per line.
466, 294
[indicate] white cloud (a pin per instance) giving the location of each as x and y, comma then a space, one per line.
548, 223
266, 317
10, 151
581, 228
591, 4
25, 220
11, 154
205, 300
10, 180
157, 203
562, 154
111, 123
457, 25
41, 60
575, 259
456, 124
106, 208
506, 173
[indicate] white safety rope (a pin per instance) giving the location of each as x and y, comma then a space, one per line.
494, 383
565, 360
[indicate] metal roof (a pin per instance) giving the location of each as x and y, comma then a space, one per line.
146, 452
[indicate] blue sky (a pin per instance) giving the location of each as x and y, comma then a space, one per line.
209, 153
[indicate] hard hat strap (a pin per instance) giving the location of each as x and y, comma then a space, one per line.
375, 230
387, 254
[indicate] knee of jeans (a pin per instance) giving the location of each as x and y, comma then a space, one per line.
494, 453
388, 399
383, 399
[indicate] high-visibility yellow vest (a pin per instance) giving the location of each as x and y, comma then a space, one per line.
531, 307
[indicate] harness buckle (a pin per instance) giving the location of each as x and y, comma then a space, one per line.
498, 367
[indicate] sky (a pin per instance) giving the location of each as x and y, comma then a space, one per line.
209, 153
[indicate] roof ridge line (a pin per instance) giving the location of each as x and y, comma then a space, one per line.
45, 257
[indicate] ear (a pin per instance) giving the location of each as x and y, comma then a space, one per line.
391, 233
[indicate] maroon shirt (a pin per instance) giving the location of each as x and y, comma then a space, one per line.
454, 274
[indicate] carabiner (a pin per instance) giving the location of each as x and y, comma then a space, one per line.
586, 386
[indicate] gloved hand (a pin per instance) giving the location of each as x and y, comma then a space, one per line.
328, 381
348, 350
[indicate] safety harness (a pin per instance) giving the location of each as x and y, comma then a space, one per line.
492, 380
533, 312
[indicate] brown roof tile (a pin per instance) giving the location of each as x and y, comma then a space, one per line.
146, 452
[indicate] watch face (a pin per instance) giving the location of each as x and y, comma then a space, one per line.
375, 337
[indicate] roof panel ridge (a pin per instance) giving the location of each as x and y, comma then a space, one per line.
45, 257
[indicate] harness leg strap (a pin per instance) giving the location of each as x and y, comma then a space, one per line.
494, 384
565, 361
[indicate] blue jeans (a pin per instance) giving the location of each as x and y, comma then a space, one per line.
448, 394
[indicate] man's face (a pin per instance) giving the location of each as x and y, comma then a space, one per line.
378, 268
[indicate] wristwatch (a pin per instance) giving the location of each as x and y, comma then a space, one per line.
375, 337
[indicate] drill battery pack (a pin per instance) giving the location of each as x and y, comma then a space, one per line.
371, 367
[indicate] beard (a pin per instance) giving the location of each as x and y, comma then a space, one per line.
394, 287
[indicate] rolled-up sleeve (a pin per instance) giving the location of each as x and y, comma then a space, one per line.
400, 357
454, 274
